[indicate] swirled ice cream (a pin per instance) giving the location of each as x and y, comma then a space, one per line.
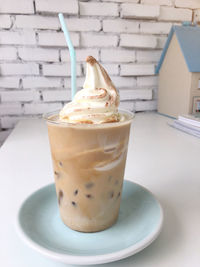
97, 102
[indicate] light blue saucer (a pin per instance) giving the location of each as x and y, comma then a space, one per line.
140, 221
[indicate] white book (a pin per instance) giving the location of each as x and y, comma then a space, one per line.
190, 119
187, 128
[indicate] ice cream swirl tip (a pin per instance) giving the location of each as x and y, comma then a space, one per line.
97, 102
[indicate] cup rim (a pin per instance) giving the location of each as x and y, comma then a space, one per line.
82, 125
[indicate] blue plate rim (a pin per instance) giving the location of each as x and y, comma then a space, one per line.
97, 259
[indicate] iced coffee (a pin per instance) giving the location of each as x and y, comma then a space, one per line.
89, 141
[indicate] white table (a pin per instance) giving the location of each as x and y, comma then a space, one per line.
160, 158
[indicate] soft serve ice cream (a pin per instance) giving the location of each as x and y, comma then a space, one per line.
97, 102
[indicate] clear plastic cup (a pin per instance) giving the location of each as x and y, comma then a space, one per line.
89, 162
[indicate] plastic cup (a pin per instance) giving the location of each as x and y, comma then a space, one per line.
89, 162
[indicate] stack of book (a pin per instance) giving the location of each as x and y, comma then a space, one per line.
188, 123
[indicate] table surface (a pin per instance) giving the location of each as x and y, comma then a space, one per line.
163, 159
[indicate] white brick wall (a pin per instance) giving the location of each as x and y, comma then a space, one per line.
147, 81
98, 40
9, 82
79, 82
136, 94
19, 96
57, 95
134, 40
187, 4
68, 7
17, 38
99, 9
137, 69
112, 69
119, 25
161, 41
40, 108
56, 39
10, 109
126, 36
59, 70
38, 54
19, 7
127, 105
155, 27
5, 21
111, 55
124, 82
41, 82
81, 54
145, 105
158, 2
19, 69
140, 11
83, 24
8, 53
36, 22
148, 56
9, 122
120, 1
175, 14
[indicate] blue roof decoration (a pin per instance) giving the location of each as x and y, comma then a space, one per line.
189, 40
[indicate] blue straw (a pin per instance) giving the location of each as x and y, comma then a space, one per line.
72, 54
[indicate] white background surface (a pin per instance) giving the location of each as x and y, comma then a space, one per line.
160, 158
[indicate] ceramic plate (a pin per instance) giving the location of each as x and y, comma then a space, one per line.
139, 223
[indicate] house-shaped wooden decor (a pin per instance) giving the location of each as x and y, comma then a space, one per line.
179, 72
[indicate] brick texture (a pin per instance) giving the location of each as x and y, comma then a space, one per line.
155, 27
98, 40
111, 55
10, 109
9, 82
147, 81
38, 54
56, 95
20, 96
126, 36
81, 54
148, 56
51, 6
36, 22
56, 39
158, 2
18, 7
139, 11
137, 69
134, 40
187, 4
99, 9
8, 53
83, 24
40, 108
19, 69
145, 105
5, 21
59, 70
17, 38
136, 94
41, 82
120, 26
175, 14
